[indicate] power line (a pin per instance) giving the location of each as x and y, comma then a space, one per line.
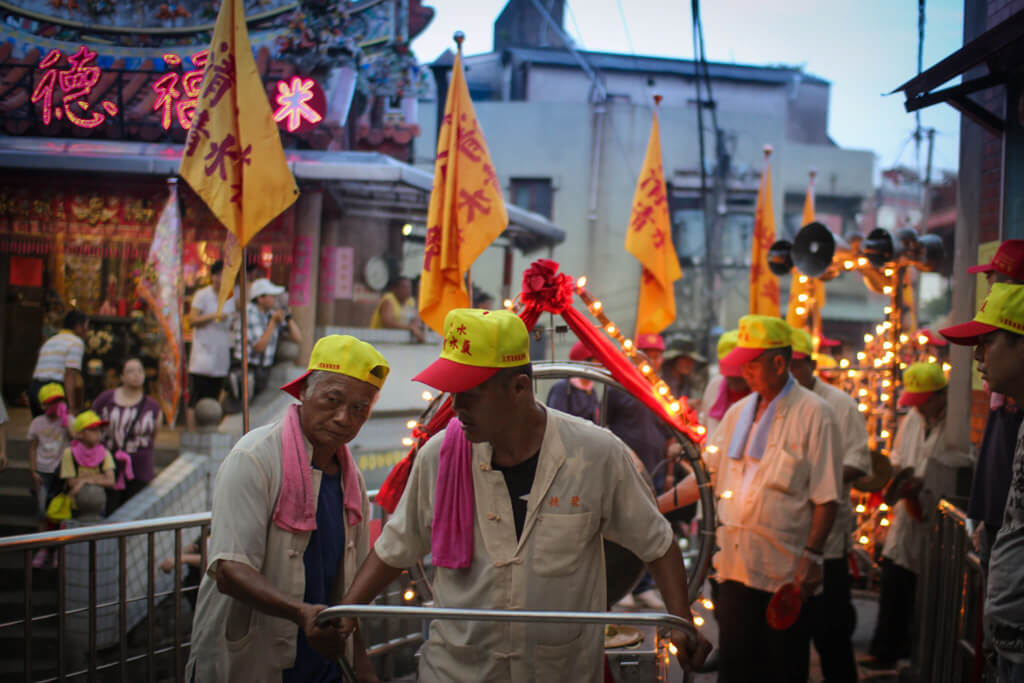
625, 27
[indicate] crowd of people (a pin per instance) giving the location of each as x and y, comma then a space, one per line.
514, 498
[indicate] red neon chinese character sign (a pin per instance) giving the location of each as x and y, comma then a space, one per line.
166, 89
301, 104
76, 84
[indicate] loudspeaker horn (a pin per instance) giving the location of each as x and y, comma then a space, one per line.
780, 260
814, 248
928, 253
881, 247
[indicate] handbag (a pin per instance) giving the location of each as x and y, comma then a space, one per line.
59, 508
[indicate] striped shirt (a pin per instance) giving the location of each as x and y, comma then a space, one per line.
63, 350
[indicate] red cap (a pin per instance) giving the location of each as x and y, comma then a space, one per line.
934, 339
447, 375
650, 342
911, 399
968, 333
726, 370
740, 356
1009, 260
580, 351
827, 342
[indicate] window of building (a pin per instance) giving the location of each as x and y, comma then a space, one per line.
533, 194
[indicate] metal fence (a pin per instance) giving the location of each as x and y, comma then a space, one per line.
950, 598
120, 661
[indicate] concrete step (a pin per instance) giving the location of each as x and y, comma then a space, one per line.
15, 525
17, 500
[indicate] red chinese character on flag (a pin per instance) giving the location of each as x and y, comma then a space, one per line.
477, 201
432, 247
222, 79
220, 152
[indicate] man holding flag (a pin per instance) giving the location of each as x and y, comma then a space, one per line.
467, 211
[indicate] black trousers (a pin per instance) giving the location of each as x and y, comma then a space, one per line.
832, 628
750, 649
892, 637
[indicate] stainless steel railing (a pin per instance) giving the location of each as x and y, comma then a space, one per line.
949, 602
121, 531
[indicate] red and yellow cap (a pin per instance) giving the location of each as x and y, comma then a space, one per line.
726, 343
757, 334
477, 343
803, 345
87, 420
1003, 309
1009, 260
344, 355
920, 381
51, 392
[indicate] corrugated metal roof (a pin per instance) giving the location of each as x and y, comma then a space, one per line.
527, 230
610, 61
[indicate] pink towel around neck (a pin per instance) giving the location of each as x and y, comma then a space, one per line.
296, 505
721, 403
88, 457
451, 539
127, 473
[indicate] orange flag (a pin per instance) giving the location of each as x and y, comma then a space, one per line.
807, 294
764, 286
233, 156
467, 210
649, 239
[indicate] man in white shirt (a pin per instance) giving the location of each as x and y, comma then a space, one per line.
210, 358
526, 496
834, 620
776, 470
60, 361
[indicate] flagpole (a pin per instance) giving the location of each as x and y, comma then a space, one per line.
243, 303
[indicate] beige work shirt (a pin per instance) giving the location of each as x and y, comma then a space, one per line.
585, 489
853, 435
765, 525
906, 542
232, 641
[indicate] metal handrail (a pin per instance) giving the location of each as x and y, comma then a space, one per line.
103, 530
533, 616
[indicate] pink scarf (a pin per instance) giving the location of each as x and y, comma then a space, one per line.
296, 504
126, 472
88, 457
451, 540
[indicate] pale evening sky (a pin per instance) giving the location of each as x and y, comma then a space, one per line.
864, 48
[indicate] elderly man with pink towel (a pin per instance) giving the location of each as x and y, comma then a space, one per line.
512, 500
290, 526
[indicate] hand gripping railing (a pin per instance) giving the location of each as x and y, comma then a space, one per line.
537, 617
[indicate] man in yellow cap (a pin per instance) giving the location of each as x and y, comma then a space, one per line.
997, 333
776, 465
833, 621
513, 500
290, 526
920, 441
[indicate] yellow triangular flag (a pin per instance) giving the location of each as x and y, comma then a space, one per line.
764, 286
233, 156
649, 239
467, 211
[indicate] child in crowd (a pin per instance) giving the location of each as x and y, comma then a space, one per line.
48, 437
87, 461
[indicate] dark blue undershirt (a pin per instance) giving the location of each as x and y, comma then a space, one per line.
322, 558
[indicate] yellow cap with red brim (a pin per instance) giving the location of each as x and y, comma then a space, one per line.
477, 343
757, 334
1003, 309
803, 345
920, 381
87, 420
343, 354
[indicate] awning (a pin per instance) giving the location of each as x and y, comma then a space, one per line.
363, 179
1000, 50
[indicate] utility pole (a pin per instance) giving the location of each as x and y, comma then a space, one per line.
926, 203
